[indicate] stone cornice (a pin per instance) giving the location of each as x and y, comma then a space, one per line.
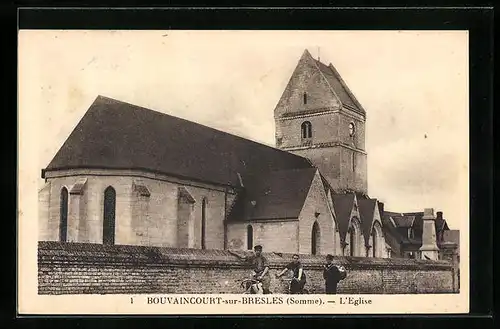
353, 109
353, 114
347, 110
306, 114
322, 145
136, 173
51, 252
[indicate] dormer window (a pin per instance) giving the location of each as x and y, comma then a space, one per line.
306, 129
352, 129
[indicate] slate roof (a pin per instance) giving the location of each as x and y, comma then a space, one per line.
118, 135
389, 228
338, 86
366, 212
404, 221
273, 195
343, 204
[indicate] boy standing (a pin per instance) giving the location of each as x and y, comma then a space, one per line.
332, 276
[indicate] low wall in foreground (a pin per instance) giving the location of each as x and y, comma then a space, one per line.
78, 268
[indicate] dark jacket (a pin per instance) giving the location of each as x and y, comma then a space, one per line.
331, 274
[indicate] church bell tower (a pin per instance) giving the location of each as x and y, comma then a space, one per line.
318, 118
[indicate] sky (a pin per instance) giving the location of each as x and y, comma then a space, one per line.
412, 84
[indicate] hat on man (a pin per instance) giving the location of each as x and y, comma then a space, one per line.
258, 247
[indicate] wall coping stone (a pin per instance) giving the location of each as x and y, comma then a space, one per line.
128, 255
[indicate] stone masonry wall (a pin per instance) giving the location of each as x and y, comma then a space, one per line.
82, 268
139, 221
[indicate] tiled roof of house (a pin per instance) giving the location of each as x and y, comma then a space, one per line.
405, 221
117, 135
273, 195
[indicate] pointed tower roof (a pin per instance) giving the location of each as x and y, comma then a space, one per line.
338, 85
330, 77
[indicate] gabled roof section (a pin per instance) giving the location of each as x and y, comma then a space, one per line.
118, 135
343, 205
404, 221
397, 224
367, 212
339, 87
334, 86
389, 228
272, 195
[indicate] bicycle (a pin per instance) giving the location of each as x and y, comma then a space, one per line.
252, 286
304, 291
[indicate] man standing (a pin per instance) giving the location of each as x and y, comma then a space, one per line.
332, 276
299, 276
260, 267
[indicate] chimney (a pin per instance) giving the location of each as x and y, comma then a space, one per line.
429, 248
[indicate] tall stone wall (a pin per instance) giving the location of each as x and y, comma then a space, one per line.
79, 268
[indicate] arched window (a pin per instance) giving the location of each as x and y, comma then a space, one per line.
352, 242
315, 239
249, 237
355, 238
306, 129
305, 98
108, 229
352, 129
374, 243
63, 215
377, 240
203, 222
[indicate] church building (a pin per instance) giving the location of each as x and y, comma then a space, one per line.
135, 176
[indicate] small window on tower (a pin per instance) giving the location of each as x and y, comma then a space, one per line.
306, 129
305, 98
351, 129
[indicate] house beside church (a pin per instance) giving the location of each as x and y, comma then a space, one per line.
135, 176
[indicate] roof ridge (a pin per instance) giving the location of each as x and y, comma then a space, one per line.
327, 82
346, 87
192, 122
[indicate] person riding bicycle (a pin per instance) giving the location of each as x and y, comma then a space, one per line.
299, 276
260, 267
